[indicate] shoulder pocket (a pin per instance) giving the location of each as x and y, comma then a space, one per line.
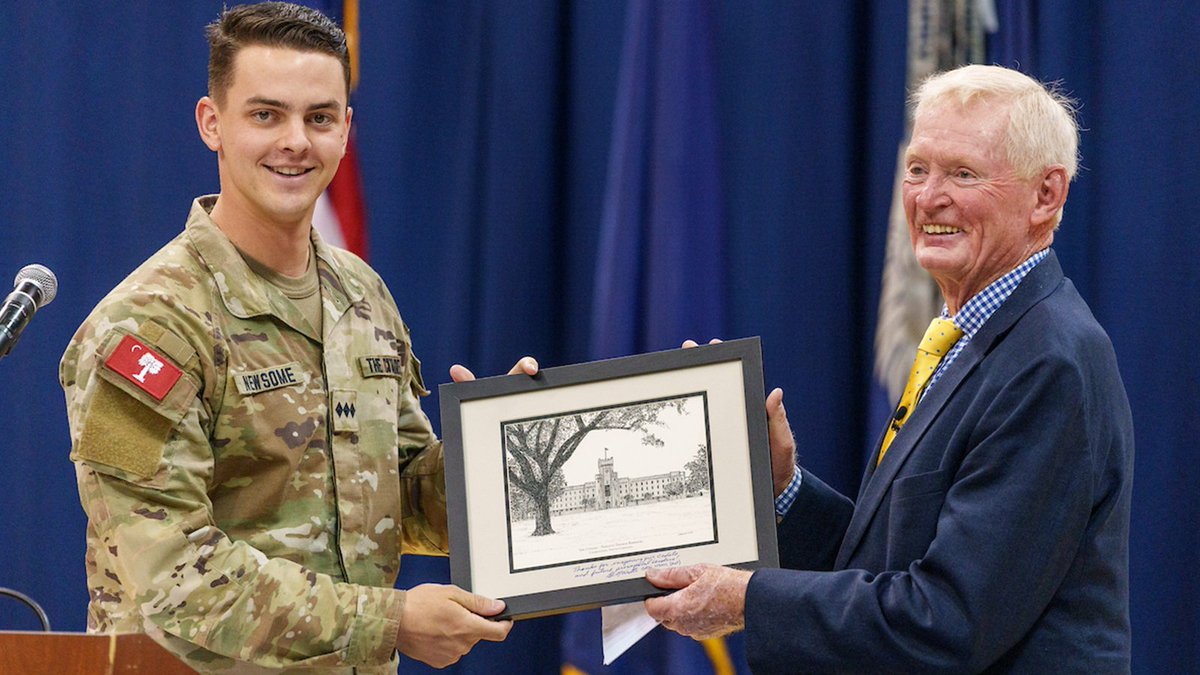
139, 394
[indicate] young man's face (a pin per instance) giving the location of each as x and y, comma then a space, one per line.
279, 133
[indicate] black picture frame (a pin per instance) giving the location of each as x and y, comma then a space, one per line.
703, 403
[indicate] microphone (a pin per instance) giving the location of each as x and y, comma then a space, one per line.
34, 287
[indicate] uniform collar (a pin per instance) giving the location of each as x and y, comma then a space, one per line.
338, 285
247, 295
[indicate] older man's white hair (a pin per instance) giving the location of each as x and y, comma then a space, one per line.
1042, 128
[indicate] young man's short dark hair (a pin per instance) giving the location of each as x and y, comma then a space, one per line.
272, 24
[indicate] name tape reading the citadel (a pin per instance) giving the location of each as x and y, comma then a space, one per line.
384, 365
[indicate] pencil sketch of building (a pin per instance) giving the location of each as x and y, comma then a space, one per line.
555, 459
608, 482
609, 490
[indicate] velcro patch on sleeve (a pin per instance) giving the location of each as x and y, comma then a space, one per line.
382, 365
145, 368
121, 432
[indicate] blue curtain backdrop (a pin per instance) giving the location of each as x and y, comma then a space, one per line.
660, 265
485, 132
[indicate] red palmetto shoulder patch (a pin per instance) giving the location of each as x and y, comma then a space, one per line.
144, 367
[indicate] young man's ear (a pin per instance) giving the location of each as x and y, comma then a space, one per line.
206, 123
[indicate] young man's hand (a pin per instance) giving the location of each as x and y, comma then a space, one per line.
526, 364
442, 623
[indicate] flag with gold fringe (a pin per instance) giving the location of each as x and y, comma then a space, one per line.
942, 34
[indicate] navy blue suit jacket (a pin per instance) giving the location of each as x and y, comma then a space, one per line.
994, 535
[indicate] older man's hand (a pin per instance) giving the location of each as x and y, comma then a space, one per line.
779, 432
783, 443
710, 602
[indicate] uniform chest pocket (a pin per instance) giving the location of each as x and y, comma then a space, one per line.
914, 508
372, 405
269, 411
378, 385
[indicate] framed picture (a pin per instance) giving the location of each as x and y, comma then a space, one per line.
564, 488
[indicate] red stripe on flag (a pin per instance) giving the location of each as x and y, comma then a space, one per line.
346, 198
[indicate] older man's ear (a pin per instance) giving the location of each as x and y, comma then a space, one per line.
1051, 195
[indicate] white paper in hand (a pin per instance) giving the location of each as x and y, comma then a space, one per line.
622, 626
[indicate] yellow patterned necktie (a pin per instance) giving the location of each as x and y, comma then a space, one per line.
939, 338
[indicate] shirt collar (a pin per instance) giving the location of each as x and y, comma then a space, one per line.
976, 311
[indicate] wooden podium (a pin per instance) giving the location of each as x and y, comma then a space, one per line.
25, 653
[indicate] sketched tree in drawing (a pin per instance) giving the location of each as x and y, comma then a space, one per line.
539, 448
697, 471
522, 507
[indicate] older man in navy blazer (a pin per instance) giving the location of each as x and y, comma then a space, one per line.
993, 533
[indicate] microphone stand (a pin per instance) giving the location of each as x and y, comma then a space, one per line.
32, 605
34, 286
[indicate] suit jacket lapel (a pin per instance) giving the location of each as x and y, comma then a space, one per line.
1040, 282
879, 480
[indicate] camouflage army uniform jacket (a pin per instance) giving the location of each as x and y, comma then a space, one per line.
249, 482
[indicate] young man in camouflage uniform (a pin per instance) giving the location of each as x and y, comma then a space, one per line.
244, 407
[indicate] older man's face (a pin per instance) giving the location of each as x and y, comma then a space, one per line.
969, 215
